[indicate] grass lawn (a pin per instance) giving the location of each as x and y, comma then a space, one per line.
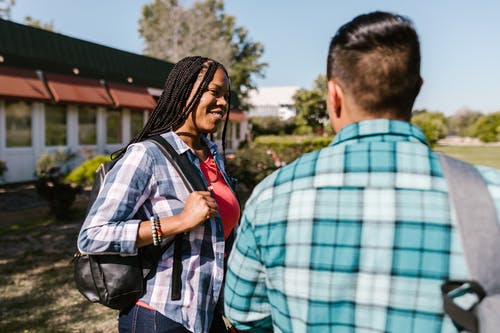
37, 292
479, 155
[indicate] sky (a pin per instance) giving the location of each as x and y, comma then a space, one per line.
460, 39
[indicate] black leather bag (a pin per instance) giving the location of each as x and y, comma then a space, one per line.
112, 280
118, 281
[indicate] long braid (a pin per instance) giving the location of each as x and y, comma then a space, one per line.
171, 110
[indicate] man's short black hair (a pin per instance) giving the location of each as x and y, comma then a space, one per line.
376, 59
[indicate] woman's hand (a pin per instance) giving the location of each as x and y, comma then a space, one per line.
199, 207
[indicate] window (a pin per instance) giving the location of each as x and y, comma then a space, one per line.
113, 126
238, 130
136, 122
18, 123
87, 128
55, 125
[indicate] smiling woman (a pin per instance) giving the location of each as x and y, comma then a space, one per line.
143, 203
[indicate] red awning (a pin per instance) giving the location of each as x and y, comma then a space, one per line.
128, 96
70, 89
21, 83
237, 116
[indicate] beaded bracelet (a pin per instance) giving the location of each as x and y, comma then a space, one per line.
158, 227
156, 230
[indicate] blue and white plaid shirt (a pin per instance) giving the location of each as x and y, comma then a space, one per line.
143, 179
356, 237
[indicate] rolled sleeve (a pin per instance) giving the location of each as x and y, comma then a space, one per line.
111, 225
245, 294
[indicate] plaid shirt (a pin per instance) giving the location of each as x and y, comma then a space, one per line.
356, 237
144, 181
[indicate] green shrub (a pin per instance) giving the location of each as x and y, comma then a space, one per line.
487, 128
462, 122
290, 147
432, 124
271, 126
3, 168
85, 173
251, 165
268, 153
51, 186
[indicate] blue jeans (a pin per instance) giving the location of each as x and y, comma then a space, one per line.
141, 320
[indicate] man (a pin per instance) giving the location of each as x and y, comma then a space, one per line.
359, 236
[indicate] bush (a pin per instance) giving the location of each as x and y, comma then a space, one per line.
85, 173
251, 165
487, 128
288, 148
271, 126
3, 168
50, 185
462, 122
432, 124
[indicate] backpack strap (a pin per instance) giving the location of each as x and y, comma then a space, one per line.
193, 182
187, 171
480, 234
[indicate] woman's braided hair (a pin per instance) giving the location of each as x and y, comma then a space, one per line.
173, 106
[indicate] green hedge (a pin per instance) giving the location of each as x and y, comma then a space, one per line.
85, 173
289, 147
268, 153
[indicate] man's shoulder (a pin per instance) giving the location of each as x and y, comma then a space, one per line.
490, 175
285, 175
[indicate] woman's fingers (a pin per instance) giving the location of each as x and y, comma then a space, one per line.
200, 206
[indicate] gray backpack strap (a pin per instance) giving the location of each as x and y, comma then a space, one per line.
480, 233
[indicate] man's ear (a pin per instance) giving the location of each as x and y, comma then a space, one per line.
420, 83
334, 98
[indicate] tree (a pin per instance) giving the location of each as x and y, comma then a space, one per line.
246, 65
432, 124
171, 31
311, 105
32, 22
462, 122
5, 7
487, 128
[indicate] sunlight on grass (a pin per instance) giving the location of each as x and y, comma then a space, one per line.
27, 225
478, 155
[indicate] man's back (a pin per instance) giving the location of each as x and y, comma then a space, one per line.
357, 237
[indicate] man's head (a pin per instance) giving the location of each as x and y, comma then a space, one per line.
373, 68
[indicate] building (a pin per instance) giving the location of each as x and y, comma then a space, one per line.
61, 92
273, 102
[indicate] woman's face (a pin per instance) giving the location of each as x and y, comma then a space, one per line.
212, 107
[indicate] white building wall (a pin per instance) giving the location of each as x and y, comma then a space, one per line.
272, 102
21, 161
72, 127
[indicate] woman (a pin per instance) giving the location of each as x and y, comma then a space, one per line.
143, 183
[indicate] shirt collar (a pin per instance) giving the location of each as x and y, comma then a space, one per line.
379, 127
181, 147
176, 142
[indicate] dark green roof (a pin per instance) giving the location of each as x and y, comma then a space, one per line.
32, 48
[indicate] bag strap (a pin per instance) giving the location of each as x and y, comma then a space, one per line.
191, 177
480, 234
193, 182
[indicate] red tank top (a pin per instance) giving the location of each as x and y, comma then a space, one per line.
229, 208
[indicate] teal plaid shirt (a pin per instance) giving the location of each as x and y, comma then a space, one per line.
356, 237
